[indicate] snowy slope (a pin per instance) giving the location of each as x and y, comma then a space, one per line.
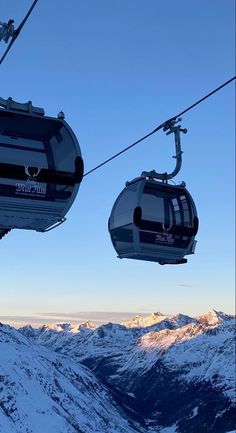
43, 392
200, 352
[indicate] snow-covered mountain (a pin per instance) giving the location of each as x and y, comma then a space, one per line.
165, 374
48, 335
214, 317
141, 321
44, 392
109, 338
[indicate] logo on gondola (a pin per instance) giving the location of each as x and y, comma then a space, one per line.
165, 228
165, 237
31, 186
33, 175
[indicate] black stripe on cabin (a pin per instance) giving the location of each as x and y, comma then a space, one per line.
30, 149
12, 171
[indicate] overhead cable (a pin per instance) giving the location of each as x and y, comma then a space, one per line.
17, 31
161, 125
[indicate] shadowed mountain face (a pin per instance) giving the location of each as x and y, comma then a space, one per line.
162, 375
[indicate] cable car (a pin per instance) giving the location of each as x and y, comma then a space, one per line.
41, 168
155, 221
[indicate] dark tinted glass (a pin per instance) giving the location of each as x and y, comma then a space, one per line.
167, 205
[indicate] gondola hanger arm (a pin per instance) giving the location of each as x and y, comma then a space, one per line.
171, 127
14, 33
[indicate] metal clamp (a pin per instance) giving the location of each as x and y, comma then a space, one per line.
27, 107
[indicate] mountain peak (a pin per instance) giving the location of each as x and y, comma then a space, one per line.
158, 314
57, 327
143, 322
214, 317
88, 325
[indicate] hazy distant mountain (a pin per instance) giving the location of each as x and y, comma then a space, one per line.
165, 374
141, 321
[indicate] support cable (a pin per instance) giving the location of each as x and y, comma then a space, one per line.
162, 125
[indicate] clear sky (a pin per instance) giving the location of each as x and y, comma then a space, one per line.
118, 69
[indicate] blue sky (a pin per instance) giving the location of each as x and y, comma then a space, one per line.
118, 69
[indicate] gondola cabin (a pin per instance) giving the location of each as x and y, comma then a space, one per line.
154, 221
41, 168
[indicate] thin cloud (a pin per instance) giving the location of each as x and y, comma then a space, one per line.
100, 316
40, 319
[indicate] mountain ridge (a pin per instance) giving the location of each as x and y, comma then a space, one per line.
211, 317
